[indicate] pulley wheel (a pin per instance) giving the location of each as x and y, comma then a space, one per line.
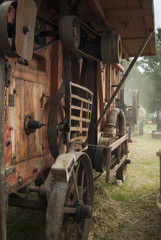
7, 28
135, 105
69, 208
25, 28
69, 32
100, 158
111, 48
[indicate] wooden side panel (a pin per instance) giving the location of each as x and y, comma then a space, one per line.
27, 102
19, 138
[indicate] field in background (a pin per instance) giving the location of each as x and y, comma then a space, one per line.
121, 213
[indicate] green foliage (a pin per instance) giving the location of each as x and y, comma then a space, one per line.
146, 76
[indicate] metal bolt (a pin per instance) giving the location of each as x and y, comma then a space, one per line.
14, 91
20, 179
25, 29
35, 170
43, 147
8, 142
75, 31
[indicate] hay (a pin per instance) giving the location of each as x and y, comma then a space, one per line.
107, 215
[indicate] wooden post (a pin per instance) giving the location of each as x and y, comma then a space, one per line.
100, 92
3, 195
119, 153
108, 166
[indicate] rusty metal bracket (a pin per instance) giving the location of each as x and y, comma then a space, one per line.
143, 45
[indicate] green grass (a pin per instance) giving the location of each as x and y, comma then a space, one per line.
137, 196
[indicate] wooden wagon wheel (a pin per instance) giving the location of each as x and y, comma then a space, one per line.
57, 124
70, 203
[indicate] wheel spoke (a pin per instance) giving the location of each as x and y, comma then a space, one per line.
69, 191
71, 231
82, 185
78, 165
75, 185
79, 230
62, 113
61, 145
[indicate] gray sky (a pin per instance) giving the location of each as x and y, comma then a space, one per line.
157, 12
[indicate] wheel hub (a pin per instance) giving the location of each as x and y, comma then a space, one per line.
84, 211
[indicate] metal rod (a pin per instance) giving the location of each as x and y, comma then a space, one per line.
46, 45
144, 43
46, 21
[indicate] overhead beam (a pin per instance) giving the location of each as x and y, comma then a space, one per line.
128, 12
100, 13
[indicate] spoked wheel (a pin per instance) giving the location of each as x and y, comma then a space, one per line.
57, 123
69, 209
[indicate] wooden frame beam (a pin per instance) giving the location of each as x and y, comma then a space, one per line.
128, 12
100, 13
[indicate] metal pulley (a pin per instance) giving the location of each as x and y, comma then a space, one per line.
111, 48
7, 30
17, 21
25, 28
69, 32
100, 158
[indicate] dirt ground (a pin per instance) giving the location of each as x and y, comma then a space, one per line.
127, 212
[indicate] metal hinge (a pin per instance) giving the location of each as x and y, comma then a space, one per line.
8, 68
11, 100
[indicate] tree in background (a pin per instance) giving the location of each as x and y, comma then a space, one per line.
146, 77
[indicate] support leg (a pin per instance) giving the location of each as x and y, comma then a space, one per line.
3, 197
